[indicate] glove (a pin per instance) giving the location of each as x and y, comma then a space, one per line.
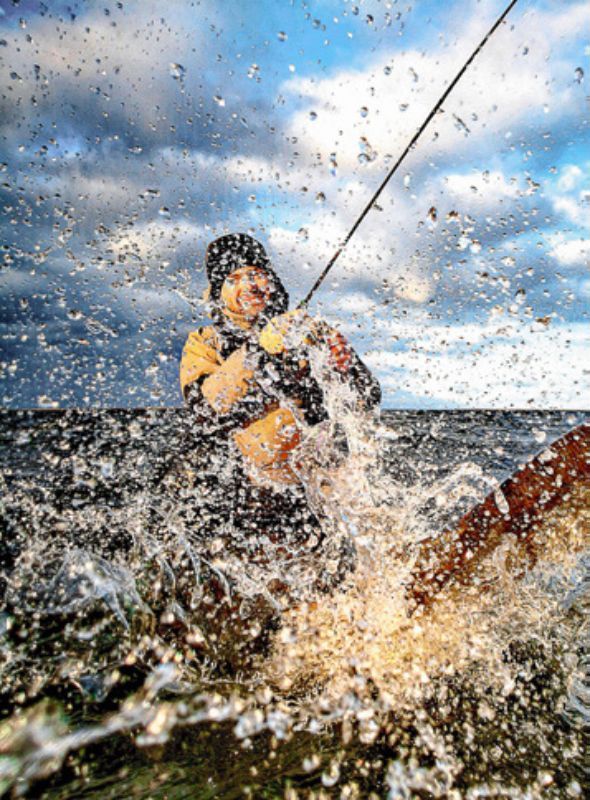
288, 331
340, 354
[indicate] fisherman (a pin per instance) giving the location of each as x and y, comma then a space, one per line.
249, 376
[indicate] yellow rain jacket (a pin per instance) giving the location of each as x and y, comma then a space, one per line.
267, 442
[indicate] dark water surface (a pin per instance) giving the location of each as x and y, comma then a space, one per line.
85, 482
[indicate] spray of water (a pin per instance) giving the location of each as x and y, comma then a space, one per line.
167, 611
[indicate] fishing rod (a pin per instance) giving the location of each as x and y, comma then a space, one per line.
304, 303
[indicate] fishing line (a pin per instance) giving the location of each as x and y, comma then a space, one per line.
409, 147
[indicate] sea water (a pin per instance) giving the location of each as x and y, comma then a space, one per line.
115, 682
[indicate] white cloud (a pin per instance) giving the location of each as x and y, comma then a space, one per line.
153, 241
369, 257
523, 368
569, 178
575, 210
362, 113
354, 303
487, 188
571, 251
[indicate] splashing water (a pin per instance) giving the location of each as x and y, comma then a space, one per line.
139, 602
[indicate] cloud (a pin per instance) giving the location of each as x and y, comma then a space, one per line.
153, 242
489, 189
571, 251
120, 168
576, 210
570, 177
355, 303
361, 116
468, 367
142, 76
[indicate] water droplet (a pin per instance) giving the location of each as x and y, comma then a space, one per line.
364, 111
579, 73
475, 246
313, 115
370, 19
136, 149
503, 507
291, 67
320, 197
387, 70
460, 125
219, 100
177, 71
253, 71
508, 261
407, 180
520, 296
367, 151
282, 36
252, 198
539, 435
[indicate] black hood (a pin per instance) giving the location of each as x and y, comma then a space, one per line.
228, 253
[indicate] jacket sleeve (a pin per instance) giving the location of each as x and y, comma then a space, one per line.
199, 359
347, 364
364, 382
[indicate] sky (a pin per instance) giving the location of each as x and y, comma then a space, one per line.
133, 133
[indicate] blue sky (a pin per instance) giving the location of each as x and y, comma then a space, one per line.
133, 133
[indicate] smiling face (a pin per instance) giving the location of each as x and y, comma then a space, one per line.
246, 292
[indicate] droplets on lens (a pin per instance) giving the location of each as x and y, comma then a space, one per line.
368, 153
177, 71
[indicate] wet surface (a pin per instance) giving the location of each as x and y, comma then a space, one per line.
128, 669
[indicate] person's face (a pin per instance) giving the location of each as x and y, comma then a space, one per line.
246, 291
